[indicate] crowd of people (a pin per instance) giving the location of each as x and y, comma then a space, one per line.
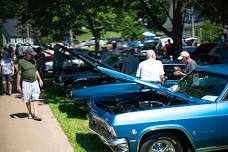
20, 66
152, 70
25, 67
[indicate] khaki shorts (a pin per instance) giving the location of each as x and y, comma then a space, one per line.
30, 91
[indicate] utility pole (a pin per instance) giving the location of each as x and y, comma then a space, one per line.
28, 34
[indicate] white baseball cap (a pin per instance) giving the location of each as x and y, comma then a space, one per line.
183, 54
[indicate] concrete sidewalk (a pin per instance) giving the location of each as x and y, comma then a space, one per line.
20, 134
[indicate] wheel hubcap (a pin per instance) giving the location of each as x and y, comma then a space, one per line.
162, 146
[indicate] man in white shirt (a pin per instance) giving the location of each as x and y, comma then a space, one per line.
151, 70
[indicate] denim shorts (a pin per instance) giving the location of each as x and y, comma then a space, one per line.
7, 77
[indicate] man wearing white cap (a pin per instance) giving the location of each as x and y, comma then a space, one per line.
190, 64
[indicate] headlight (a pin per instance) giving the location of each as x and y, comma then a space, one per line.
111, 130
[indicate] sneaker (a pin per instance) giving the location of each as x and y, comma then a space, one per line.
37, 118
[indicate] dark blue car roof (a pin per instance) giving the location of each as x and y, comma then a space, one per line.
221, 69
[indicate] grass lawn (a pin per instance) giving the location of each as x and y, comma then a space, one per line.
72, 121
87, 35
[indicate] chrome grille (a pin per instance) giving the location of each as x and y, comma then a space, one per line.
100, 127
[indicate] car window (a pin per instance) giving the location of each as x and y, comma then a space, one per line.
203, 85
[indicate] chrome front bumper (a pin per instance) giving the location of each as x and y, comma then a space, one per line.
117, 145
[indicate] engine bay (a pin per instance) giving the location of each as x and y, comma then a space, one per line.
136, 102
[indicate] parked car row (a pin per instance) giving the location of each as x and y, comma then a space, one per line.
80, 71
131, 115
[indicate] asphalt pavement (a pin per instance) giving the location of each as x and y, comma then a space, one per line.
20, 134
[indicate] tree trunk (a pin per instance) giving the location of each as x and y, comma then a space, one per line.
177, 45
95, 31
71, 37
177, 31
176, 20
97, 40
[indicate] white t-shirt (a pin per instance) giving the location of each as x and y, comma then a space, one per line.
6, 66
150, 70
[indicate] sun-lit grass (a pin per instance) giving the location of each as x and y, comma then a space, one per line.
72, 121
84, 36
110, 34
87, 35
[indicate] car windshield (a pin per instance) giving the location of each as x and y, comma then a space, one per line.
203, 85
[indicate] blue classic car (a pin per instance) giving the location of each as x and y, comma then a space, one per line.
156, 119
81, 96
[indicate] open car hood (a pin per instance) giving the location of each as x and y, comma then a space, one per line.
157, 88
84, 57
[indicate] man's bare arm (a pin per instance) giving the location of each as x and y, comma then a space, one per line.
39, 78
19, 81
162, 78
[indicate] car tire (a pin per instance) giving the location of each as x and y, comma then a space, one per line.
161, 140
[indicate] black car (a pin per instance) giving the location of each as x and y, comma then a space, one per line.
201, 54
79, 70
212, 53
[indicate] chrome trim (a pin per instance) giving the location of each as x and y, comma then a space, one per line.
164, 128
223, 94
108, 126
208, 149
81, 79
116, 142
112, 142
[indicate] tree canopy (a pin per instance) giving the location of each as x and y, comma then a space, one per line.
128, 17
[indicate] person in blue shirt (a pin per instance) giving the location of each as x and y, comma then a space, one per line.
130, 63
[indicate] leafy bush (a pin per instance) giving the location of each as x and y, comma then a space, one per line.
209, 32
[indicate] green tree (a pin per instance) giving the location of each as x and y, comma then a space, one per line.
216, 11
155, 12
8, 8
209, 32
129, 26
58, 16
49, 17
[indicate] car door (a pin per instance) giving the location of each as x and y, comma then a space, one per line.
222, 120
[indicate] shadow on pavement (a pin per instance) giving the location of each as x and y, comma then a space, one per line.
19, 115
18, 96
91, 143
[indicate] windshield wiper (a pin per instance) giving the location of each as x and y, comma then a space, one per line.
188, 96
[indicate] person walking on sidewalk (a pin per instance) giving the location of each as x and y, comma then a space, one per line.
31, 83
7, 72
